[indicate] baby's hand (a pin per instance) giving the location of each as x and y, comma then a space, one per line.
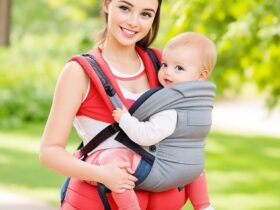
117, 113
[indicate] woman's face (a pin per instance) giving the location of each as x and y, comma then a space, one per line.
130, 20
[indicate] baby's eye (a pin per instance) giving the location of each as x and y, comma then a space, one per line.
179, 68
163, 65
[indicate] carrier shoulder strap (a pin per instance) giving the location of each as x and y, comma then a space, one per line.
113, 128
111, 93
116, 102
153, 55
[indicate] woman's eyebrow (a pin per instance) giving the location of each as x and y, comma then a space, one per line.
150, 10
146, 9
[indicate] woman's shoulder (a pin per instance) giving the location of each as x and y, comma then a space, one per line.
73, 76
75, 70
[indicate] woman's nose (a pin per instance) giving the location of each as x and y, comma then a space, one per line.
134, 20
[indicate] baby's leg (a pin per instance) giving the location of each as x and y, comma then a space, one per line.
198, 193
128, 199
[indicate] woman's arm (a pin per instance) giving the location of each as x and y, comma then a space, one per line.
69, 93
157, 128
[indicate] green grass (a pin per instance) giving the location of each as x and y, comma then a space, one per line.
243, 171
21, 170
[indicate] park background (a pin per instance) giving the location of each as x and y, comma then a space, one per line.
242, 167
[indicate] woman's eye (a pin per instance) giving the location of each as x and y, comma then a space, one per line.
179, 68
146, 14
124, 8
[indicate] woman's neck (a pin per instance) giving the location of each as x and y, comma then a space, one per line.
115, 52
124, 58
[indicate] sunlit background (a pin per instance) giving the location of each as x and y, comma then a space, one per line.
243, 149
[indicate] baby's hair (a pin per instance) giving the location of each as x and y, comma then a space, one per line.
205, 47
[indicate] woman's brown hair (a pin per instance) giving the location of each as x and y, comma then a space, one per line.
146, 41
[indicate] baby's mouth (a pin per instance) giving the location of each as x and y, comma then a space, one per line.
167, 81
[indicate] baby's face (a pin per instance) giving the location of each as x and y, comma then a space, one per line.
179, 64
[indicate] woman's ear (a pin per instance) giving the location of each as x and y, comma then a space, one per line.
203, 75
106, 5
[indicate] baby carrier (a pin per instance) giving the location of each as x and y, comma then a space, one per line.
189, 100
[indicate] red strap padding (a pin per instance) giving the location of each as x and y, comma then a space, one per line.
94, 79
149, 66
93, 106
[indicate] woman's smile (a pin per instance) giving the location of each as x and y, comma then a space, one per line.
128, 33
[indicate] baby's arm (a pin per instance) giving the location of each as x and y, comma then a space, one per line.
157, 128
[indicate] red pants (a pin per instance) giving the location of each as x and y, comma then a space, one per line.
83, 196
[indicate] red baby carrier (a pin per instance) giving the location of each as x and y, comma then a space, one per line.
112, 100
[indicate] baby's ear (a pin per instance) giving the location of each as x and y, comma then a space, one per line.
203, 75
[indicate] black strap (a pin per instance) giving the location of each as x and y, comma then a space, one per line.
180, 188
142, 99
124, 139
102, 194
112, 129
109, 130
106, 84
154, 59
100, 137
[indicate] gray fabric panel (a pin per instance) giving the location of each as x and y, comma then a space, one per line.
180, 157
162, 178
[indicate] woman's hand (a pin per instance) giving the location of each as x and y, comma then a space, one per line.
117, 176
117, 113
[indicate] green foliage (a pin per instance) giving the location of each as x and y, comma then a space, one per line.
78, 10
30, 66
46, 33
28, 74
247, 34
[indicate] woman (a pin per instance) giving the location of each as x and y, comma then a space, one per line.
131, 26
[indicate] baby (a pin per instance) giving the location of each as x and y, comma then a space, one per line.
187, 57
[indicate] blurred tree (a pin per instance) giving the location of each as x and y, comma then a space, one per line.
45, 33
5, 14
247, 34
78, 10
